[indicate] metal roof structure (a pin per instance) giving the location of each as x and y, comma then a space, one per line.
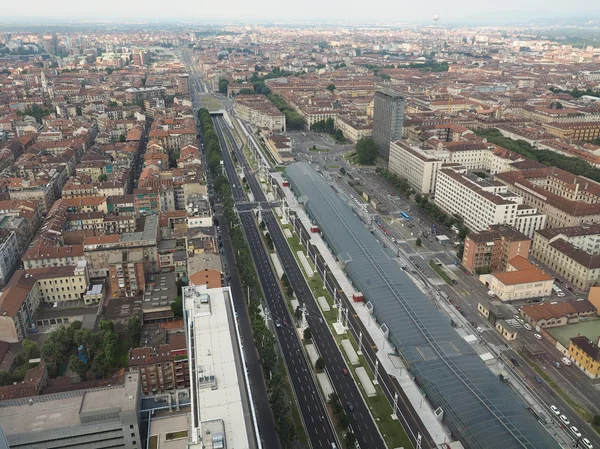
479, 409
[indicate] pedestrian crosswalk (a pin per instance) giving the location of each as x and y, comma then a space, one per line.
514, 323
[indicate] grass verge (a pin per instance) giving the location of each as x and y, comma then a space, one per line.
393, 433
440, 272
296, 418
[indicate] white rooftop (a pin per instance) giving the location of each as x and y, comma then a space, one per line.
217, 383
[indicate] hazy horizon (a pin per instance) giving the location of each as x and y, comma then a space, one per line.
383, 11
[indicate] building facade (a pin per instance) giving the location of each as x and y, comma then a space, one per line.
586, 355
491, 250
388, 118
416, 166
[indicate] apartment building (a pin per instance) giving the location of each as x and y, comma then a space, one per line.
61, 283
98, 250
583, 131
85, 419
354, 128
566, 199
18, 304
490, 250
418, 167
260, 112
586, 355
388, 118
9, 254
43, 255
162, 368
146, 201
41, 190
573, 253
126, 272
482, 203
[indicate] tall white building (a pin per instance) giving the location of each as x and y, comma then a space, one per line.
217, 373
418, 167
482, 203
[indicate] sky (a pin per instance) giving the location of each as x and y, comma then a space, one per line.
383, 11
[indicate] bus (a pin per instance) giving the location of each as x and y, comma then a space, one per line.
405, 215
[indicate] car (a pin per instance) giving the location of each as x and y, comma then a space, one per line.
587, 444
556, 364
527, 327
538, 379
277, 323
479, 329
538, 336
491, 294
284, 322
555, 410
350, 406
566, 361
565, 420
463, 313
515, 362
344, 371
575, 431
522, 322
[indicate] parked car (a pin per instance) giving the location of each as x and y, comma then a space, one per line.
515, 362
587, 444
555, 410
479, 329
575, 431
538, 336
556, 364
560, 294
527, 327
566, 361
538, 379
565, 420
491, 294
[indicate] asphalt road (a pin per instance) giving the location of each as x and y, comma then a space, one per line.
314, 415
360, 419
268, 431
318, 426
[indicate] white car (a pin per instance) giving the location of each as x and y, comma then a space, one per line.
527, 327
560, 294
565, 420
538, 336
587, 444
491, 294
575, 431
479, 329
555, 410
566, 361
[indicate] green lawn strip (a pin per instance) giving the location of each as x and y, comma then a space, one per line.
296, 418
250, 158
319, 150
380, 408
280, 168
333, 166
581, 411
440, 271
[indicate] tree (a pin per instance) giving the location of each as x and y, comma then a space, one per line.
134, 330
350, 440
343, 420
366, 151
284, 280
320, 364
100, 366
331, 87
223, 83
298, 312
112, 104
78, 110
307, 334
122, 138
77, 366
418, 242
30, 348
177, 307
102, 178
342, 170
107, 326
109, 70
289, 290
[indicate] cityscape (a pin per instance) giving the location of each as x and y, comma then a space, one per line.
284, 230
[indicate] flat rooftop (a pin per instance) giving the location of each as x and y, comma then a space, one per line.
218, 387
64, 410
